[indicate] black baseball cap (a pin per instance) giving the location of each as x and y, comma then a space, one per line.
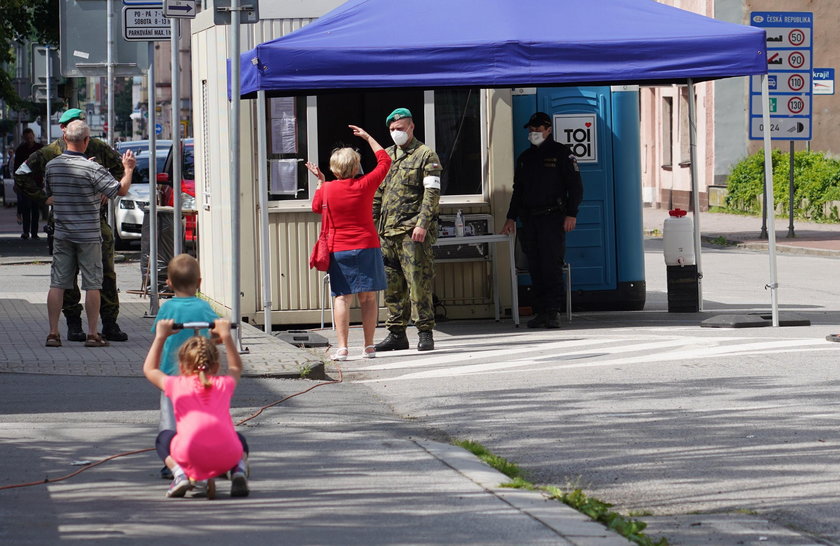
539, 119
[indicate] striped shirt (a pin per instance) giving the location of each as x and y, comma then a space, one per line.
75, 183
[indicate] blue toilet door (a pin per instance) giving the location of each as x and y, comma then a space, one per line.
581, 120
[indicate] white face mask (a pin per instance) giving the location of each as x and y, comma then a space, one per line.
536, 138
399, 137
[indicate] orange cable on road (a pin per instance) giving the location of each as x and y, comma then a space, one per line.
127, 453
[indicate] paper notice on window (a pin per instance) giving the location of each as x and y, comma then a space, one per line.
283, 126
282, 107
283, 176
283, 137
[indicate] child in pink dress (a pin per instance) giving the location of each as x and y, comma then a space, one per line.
205, 444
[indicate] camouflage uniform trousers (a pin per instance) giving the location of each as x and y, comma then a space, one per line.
110, 306
410, 270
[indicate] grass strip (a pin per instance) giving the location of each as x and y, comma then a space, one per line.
629, 528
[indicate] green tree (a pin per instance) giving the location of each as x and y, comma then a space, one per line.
36, 20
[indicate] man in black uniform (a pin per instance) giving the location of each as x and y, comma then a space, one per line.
547, 192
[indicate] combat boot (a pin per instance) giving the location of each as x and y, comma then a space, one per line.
74, 329
111, 331
539, 321
396, 341
553, 320
426, 342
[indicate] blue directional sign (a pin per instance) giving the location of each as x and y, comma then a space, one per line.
823, 81
789, 65
158, 128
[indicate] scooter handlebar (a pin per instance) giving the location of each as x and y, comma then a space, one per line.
199, 325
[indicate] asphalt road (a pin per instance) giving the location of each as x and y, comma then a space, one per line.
690, 428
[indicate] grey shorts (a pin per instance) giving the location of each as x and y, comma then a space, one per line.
68, 256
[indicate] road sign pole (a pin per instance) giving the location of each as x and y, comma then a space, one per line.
234, 168
790, 232
177, 246
152, 268
109, 133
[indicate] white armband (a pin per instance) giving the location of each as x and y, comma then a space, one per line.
431, 182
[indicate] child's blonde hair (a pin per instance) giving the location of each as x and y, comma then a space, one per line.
198, 355
183, 272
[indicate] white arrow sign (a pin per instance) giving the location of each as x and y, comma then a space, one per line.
179, 9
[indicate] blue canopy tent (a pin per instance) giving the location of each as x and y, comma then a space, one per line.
502, 43
374, 44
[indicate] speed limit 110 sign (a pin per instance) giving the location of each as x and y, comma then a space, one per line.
789, 74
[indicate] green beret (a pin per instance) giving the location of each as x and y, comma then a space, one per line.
397, 115
70, 115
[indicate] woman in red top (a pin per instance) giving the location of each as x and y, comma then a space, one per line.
356, 265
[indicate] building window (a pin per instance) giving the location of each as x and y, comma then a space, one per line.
323, 122
685, 128
667, 131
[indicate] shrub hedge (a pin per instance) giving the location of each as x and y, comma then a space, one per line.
816, 184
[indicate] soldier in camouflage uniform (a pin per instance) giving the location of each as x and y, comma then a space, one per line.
28, 180
405, 211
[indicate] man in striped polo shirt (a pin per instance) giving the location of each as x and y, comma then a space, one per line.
75, 186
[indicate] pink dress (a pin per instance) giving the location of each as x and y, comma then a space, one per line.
205, 443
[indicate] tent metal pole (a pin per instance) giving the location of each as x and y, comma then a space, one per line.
695, 189
235, 234
771, 206
262, 176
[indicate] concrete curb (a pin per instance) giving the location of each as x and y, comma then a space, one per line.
568, 523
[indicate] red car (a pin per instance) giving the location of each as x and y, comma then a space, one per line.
187, 186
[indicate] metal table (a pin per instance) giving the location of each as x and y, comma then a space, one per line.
495, 238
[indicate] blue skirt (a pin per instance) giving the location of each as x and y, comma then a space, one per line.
354, 271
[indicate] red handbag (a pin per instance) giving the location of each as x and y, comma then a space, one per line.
320, 257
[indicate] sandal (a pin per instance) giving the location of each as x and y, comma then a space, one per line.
53, 340
340, 354
95, 341
369, 351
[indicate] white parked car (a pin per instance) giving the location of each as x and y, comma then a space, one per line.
130, 208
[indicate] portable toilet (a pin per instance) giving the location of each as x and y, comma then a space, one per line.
606, 250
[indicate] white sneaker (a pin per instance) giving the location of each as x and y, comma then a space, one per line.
179, 486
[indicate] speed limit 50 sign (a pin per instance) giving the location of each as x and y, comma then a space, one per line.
789, 73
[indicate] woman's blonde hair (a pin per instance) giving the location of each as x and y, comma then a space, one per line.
199, 356
344, 162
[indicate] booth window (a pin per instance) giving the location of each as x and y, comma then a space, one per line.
456, 135
458, 140
287, 175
